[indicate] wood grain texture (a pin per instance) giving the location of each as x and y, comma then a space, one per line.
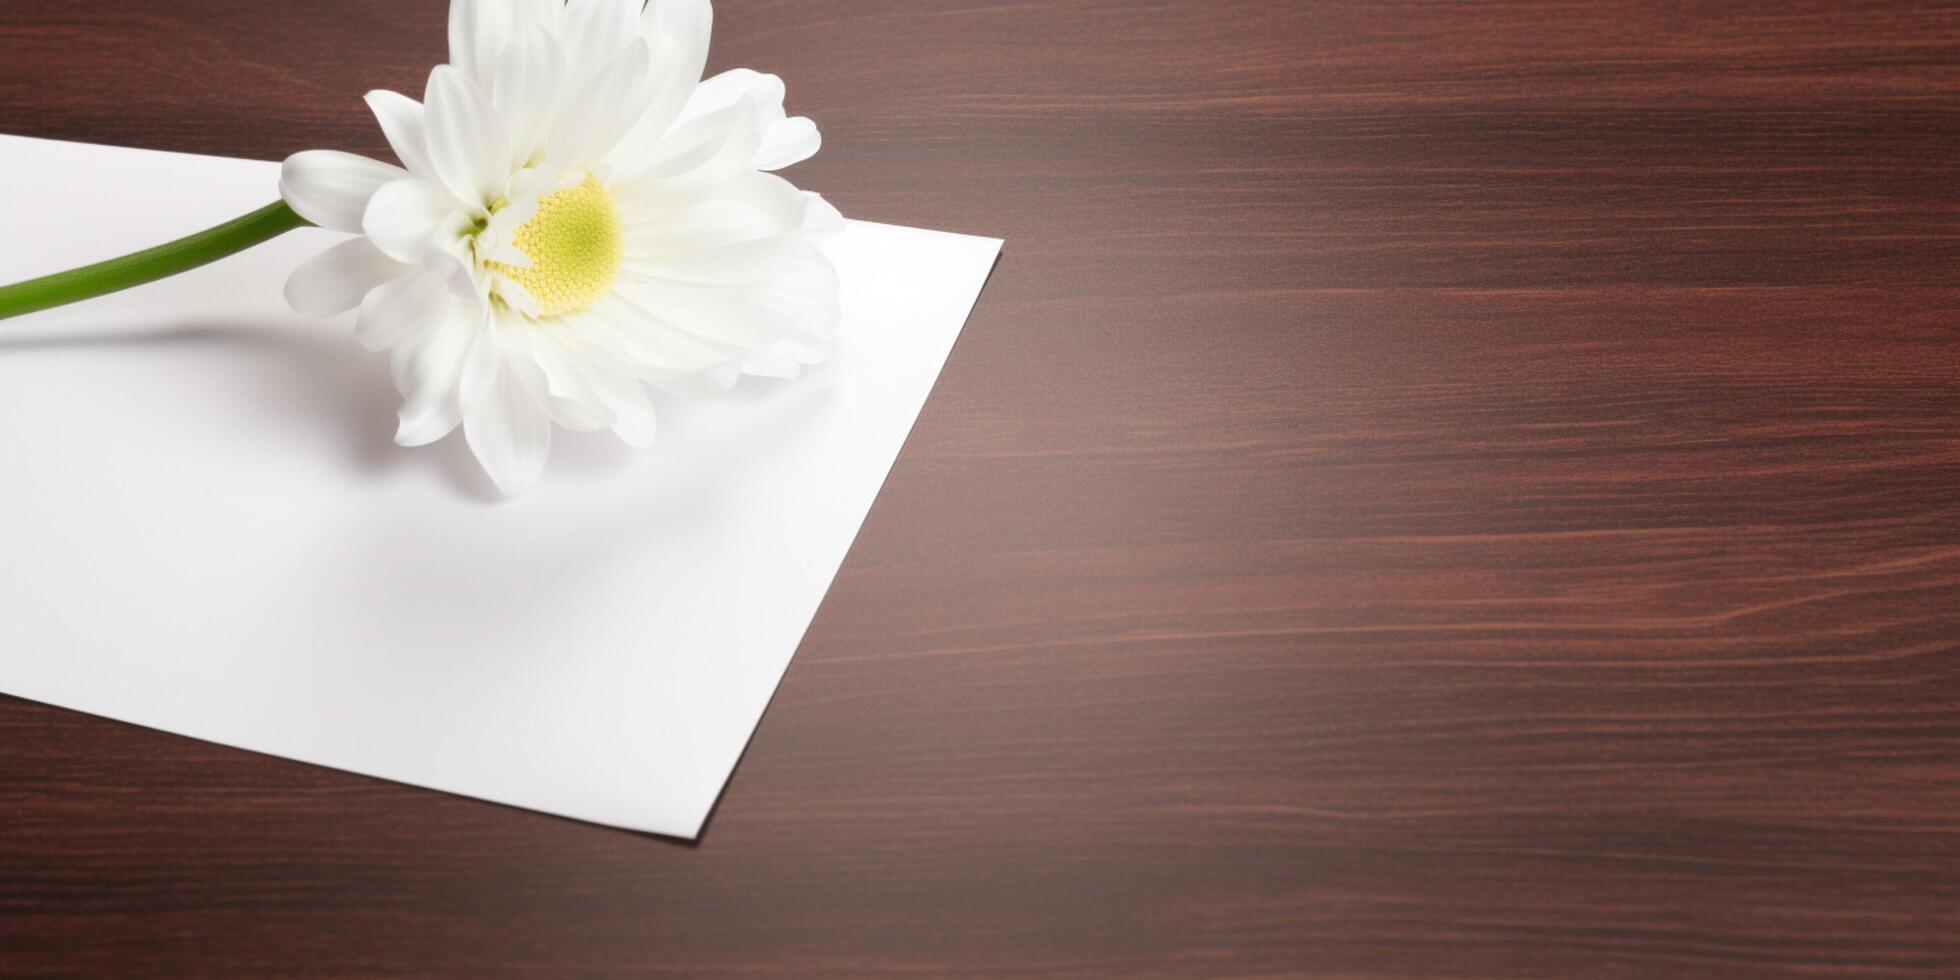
1432, 489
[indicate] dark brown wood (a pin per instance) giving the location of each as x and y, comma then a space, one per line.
1433, 489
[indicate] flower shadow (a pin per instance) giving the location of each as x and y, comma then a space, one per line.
317, 381
320, 385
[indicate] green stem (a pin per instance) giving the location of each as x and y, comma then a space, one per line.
137, 268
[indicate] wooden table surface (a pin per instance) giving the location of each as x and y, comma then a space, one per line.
1432, 489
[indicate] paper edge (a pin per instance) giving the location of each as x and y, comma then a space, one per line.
996, 246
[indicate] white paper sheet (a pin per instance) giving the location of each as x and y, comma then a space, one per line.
206, 528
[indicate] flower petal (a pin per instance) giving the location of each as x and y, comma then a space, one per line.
564, 382
469, 147
401, 121
692, 162
397, 312
647, 345
821, 219
478, 31
331, 188
402, 218
634, 420
739, 317
505, 424
678, 31
527, 14
760, 262
594, 31
626, 403
604, 110
578, 372
784, 141
669, 80
751, 206
527, 90
448, 256
771, 364
424, 421
711, 383
335, 280
723, 90
789, 142
689, 22
427, 369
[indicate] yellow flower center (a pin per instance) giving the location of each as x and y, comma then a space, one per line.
574, 246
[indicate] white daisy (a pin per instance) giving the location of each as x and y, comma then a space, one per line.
580, 214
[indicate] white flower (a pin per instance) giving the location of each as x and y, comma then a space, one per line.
581, 215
